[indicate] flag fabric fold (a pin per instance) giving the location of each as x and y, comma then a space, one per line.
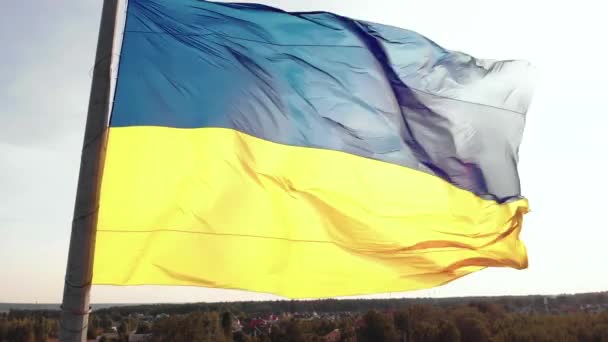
305, 154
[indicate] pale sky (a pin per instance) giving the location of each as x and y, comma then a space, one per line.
47, 54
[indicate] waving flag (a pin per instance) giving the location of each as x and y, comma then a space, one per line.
305, 154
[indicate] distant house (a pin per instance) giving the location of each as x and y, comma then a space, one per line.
333, 336
359, 323
161, 316
528, 309
258, 326
236, 325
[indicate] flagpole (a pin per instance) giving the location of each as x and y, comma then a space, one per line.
76, 293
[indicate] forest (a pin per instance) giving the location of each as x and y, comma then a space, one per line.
581, 317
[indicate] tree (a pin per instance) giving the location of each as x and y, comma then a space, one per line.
123, 331
424, 331
194, 327
241, 337
143, 328
493, 311
471, 323
227, 325
473, 329
448, 332
402, 322
105, 323
422, 312
600, 332
377, 328
347, 329
288, 331
21, 330
3, 329
92, 328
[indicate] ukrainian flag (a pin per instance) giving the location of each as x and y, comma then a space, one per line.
305, 155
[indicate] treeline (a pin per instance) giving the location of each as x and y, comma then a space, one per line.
481, 322
29, 326
353, 305
452, 319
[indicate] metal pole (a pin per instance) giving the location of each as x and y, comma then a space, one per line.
75, 306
